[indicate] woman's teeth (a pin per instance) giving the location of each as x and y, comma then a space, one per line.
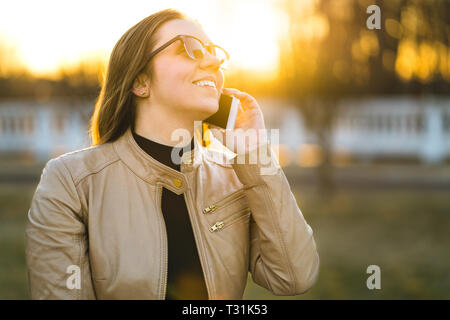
203, 83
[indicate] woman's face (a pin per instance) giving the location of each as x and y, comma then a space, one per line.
172, 83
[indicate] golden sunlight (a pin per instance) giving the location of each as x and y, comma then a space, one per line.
252, 37
53, 35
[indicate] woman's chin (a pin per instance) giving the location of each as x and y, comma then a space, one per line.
208, 109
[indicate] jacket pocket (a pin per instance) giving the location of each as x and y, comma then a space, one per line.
228, 200
230, 220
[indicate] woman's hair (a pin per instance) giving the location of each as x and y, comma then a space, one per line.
115, 107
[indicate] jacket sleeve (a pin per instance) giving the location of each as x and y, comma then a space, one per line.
283, 254
56, 241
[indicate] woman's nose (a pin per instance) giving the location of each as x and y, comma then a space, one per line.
210, 61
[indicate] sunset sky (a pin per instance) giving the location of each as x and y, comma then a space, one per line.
48, 34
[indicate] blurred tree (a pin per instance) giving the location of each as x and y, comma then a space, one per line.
329, 54
80, 80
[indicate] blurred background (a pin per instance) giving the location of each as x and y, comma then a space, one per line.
363, 114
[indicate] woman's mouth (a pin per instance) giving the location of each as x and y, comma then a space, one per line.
207, 84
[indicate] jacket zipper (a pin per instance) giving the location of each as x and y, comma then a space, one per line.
164, 232
226, 201
219, 225
200, 248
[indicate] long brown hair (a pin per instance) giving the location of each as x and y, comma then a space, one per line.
115, 107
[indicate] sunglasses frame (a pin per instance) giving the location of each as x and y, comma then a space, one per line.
182, 37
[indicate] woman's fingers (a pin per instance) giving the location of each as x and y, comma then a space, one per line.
247, 100
238, 94
252, 117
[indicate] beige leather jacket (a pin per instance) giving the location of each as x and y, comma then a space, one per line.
95, 229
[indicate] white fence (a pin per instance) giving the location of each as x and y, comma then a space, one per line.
397, 126
45, 129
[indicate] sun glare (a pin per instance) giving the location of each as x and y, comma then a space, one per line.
254, 42
249, 30
52, 34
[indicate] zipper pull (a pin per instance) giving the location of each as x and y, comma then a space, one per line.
216, 226
209, 209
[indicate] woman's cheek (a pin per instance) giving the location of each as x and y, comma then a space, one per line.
221, 78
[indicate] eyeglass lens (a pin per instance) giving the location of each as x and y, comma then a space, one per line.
197, 51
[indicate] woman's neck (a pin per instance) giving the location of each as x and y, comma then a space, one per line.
157, 125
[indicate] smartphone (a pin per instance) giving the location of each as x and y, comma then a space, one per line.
225, 117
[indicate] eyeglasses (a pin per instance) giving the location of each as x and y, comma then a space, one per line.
196, 49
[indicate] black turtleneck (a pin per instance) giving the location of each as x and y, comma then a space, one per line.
185, 276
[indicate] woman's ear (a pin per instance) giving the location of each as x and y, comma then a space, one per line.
141, 87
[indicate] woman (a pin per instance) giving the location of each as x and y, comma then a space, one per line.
123, 219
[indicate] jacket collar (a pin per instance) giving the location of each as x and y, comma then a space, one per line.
152, 171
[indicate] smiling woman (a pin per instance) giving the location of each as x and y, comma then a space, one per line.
129, 218
166, 67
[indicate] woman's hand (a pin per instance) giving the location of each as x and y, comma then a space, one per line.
249, 129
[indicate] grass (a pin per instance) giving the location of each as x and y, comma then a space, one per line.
404, 232
14, 204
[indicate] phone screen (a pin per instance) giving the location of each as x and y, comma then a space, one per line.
225, 117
